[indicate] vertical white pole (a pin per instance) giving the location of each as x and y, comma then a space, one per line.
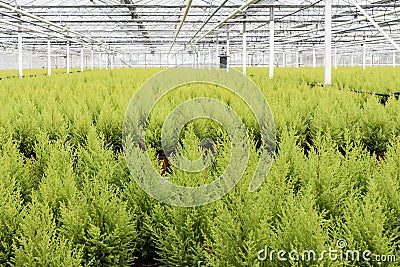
314, 60
263, 58
68, 58
217, 55
100, 60
335, 59
48, 58
271, 41
364, 56
203, 57
297, 58
20, 56
228, 52
328, 42
200, 58
209, 58
92, 59
112, 60
107, 60
168, 60
283, 59
394, 59
82, 60
244, 60
182, 60
352, 59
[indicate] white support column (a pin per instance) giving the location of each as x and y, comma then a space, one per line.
297, 58
263, 58
271, 41
48, 58
283, 59
107, 60
228, 52
68, 58
244, 56
352, 59
394, 59
209, 58
314, 58
182, 59
217, 53
328, 42
20, 56
364, 56
100, 60
92, 59
112, 61
203, 58
335, 59
82, 60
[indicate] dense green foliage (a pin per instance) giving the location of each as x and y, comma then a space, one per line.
67, 197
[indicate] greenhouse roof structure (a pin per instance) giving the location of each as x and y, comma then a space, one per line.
172, 26
129, 24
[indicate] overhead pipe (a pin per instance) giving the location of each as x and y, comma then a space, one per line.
208, 20
41, 32
189, 4
353, 29
233, 14
281, 6
21, 12
376, 25
383, 14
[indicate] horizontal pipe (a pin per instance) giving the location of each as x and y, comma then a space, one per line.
23, 13
158, 6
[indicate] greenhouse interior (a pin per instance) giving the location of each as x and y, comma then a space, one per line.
200, 133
